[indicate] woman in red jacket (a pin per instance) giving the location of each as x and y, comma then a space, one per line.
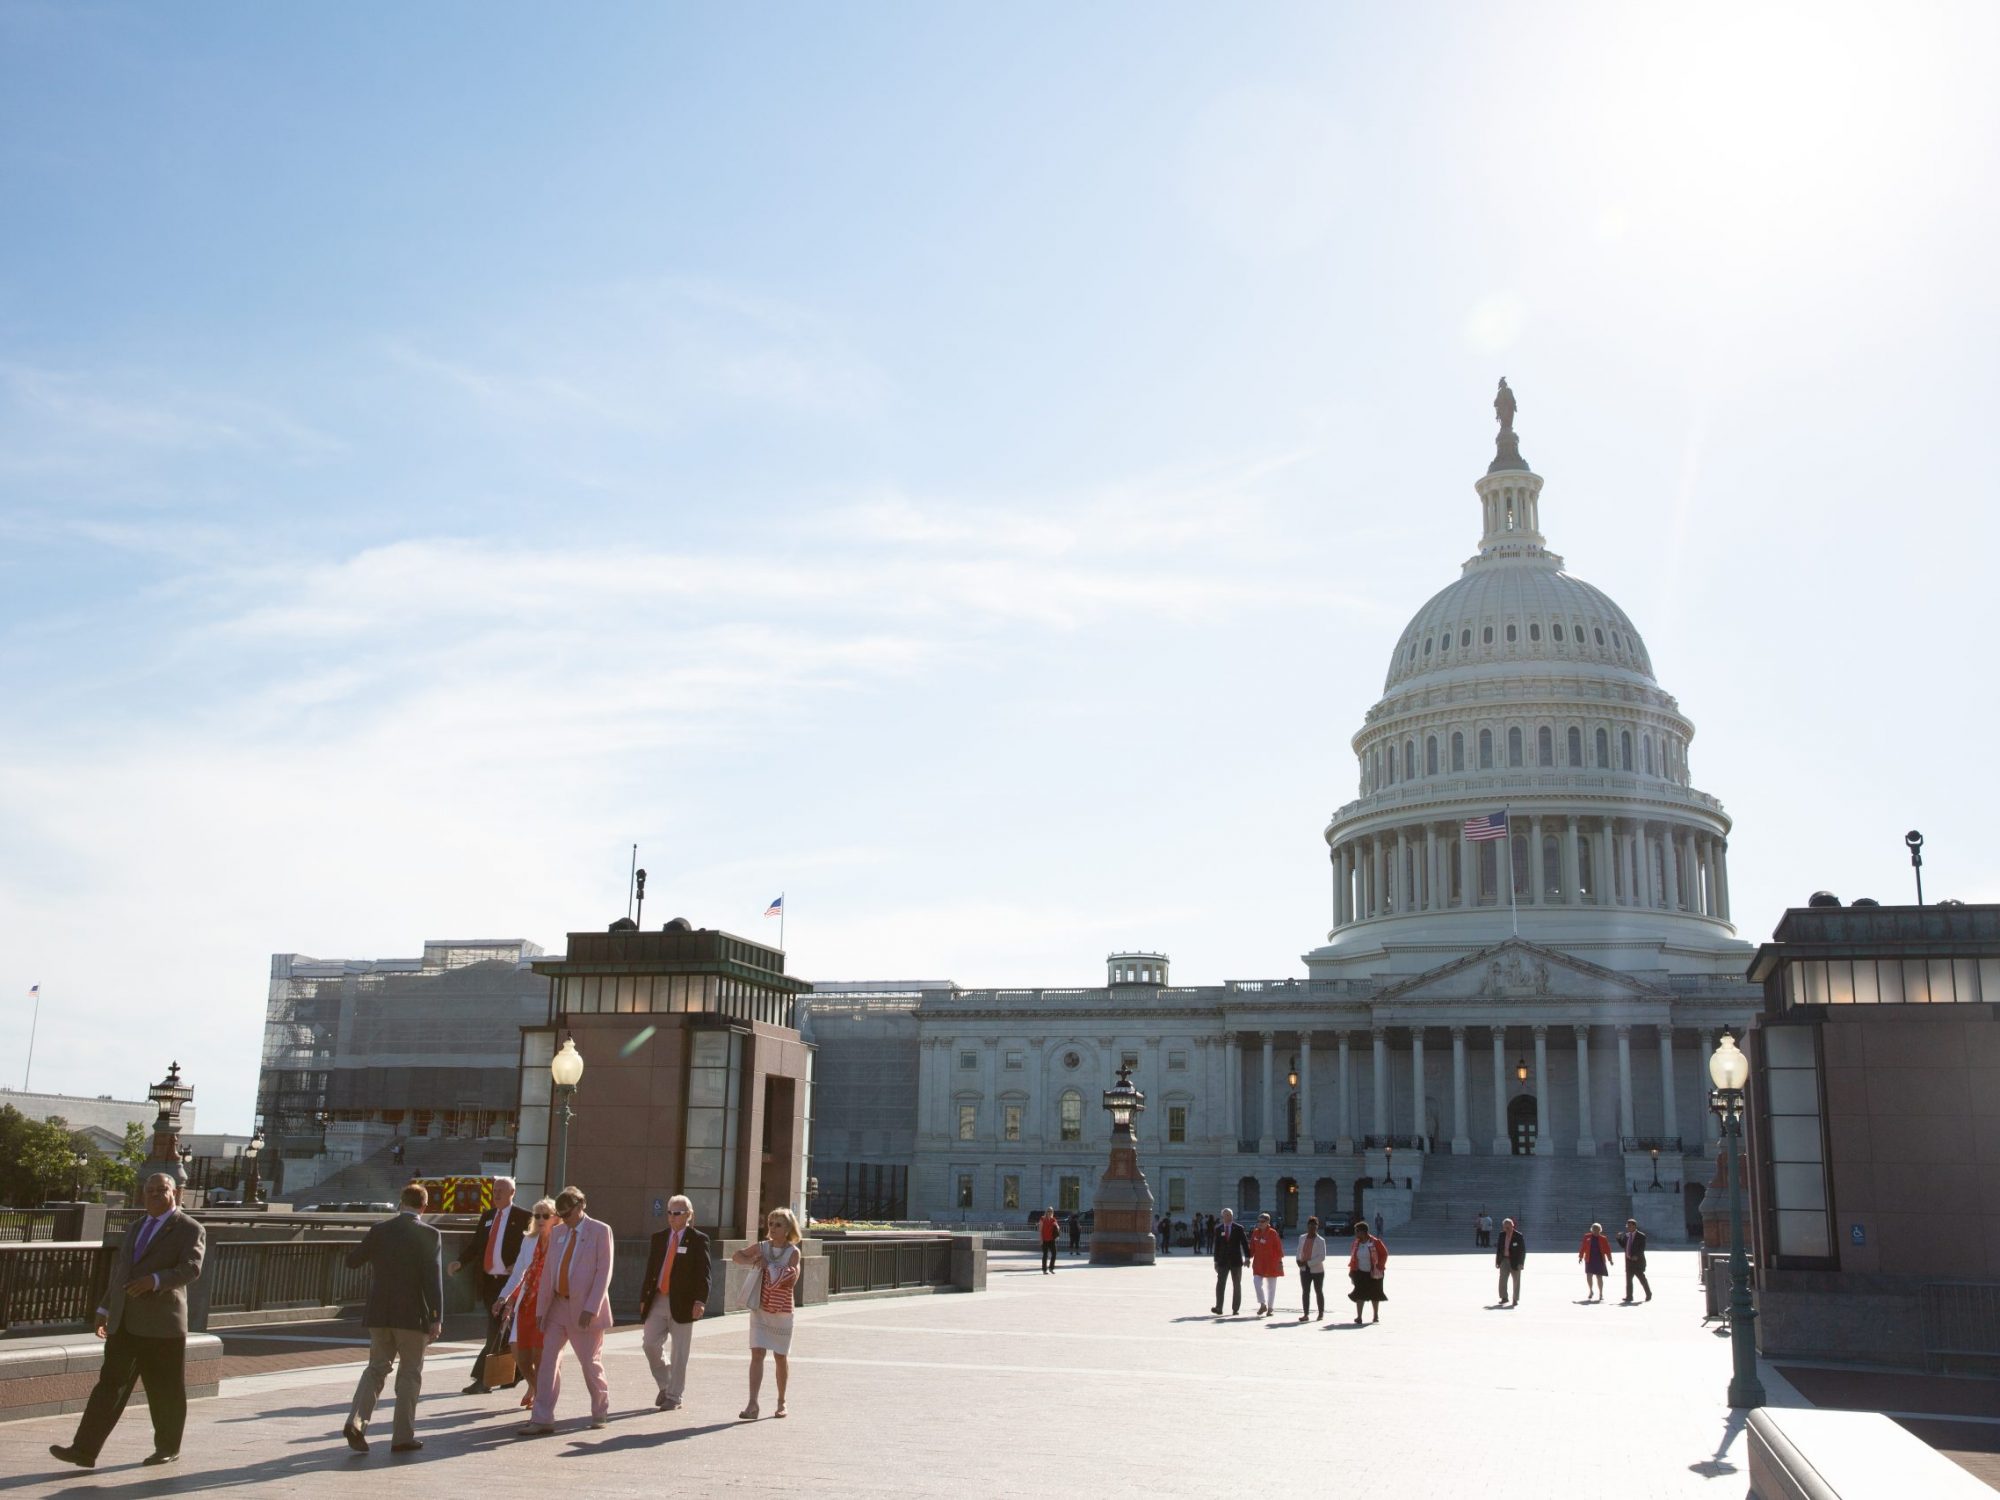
1365, 1265
1267, 1264
1595, 1253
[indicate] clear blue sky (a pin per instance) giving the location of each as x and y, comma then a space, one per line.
965, 468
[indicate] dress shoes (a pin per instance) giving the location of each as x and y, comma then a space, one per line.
159, 1460
71, 1456
666, 1402
477, 1388
533, 1430
354, 1438
410, 1447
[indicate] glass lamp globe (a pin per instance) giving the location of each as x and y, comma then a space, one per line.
1729, 1069
567, 1067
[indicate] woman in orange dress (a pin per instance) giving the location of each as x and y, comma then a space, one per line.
523, 1289
1267, 1264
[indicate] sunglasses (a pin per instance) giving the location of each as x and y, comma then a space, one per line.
545, 1216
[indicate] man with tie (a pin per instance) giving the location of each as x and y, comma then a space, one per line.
489, 1253
672, 1298
404, 1312
1510, 1253
1633, 1243
576, 1310
143, 1323
1231, 1252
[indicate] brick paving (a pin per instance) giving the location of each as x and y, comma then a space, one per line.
1092, 1377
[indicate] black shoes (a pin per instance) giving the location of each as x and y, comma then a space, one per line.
71, 1456
410, 1447
160, 1459
354, 1438
477, 1388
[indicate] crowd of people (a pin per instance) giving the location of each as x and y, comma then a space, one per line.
542, 1275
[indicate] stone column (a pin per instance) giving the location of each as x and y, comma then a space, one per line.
1722, 881
1467, 875
1364, 887
1501, 1145
1430, 901
1419, 1112
1649, 879
1586, 1142
1625, 1129
1537, 877
1267, 1131
1572, 864
1669, 837
1306, 1134
1670, 1113
1607, 875
1544, 1146
1401, 901
1347, 881
1345, 1097
1711, 1139
1381, 1081
1232, 1087
1635, 894
1461, 1135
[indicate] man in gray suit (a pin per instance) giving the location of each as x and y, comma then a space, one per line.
143, 1323
404, 1312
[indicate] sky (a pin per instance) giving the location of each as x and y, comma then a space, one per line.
962, 467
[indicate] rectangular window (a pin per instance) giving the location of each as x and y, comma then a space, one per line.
1797, 1156
1069, 1194
965, 1190
1015, 1062
1130, 1060
1072, 1116
1010, 1192
968, 1061
1011, 1128
1177, 1062
968, 1122
1176, 1195
1177, 1123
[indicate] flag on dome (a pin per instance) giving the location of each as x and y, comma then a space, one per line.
776, 908
1487, 826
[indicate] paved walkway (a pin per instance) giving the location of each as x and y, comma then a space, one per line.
1089, 1378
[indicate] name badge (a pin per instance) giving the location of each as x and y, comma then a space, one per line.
680, 1249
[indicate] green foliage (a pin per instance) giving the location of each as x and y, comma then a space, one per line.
37, 1158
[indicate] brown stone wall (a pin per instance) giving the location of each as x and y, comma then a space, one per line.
1913, 1139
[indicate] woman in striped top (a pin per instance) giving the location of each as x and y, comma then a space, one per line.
774, 1263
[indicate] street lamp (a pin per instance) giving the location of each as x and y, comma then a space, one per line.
1656, 1169
78, 1161
567, 1070
1729, 1070
1292, 1073
1914, 842
250, 1154
1389, 1163
186, 1155
1521, 1071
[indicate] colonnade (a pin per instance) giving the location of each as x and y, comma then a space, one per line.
1268, 1129
1597, 860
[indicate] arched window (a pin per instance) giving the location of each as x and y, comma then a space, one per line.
1575, 746
1586, 870
1485, 749
1545, 746
1534, 630
1520, 848
1603, 751
1552, 868
1071, 1107
1431, 756
1427, 648
1464, 639
1458, 752
1557, 630
1486, 636
1512, 635
1625, 748
1390, 759
1514, 746
1598, 631
1646, 743
1409, 760
1444, 641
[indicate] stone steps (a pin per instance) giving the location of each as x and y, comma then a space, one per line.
1552, 1198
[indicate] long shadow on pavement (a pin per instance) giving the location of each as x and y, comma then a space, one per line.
634, 1441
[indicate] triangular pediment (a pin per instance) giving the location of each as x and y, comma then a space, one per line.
1520, 970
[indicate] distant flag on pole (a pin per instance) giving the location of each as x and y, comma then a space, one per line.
1489, 826
34, 992
776, 908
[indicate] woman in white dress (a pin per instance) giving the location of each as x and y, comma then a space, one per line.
774, 1262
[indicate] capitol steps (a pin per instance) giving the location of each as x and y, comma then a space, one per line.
1554, 1199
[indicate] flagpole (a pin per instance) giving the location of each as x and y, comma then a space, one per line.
33, 1025
781, 921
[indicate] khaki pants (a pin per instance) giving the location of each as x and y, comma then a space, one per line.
663, 1328
403, 1348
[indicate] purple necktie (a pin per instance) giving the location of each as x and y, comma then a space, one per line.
146, 1233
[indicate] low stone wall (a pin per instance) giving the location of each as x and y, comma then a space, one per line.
47, 1376
1846, 1455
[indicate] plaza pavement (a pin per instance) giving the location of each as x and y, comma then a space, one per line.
1090, 1379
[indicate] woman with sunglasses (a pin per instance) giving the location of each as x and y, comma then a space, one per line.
523, 1292
775, 1267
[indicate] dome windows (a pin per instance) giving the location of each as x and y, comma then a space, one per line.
1465, 639
1545, 746
1427, 648
1599, 632
1444, 642
1603, 750
1431, 755
1485, 749
1409, 760
1557, 630
1625, 749
1512, 634
1514, 746
1486, 636
1534, 630
1458, 752
1575, 746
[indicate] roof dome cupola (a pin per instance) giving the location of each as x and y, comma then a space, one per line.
1510, 493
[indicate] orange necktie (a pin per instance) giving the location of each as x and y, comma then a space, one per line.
562, 1271
493, 1239
667, 1266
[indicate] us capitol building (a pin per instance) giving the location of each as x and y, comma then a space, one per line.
1517, 1019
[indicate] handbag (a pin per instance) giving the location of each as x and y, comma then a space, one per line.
499, 1368
753, 1287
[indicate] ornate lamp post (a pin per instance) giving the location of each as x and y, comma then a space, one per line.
78, 1161
1122, 1215
1389, 1164
1656, 1170
567, 1071
1729, 1070
250, 1154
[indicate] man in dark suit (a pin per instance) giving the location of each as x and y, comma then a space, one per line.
488, 1253
677, 1265
405, 1310
143, 1323
1633, 1243
1231, 1253
1510, 1253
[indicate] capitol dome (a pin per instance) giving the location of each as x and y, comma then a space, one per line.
1520, 714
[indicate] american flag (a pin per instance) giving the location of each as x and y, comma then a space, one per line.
34, 992
776, 908
1490, 826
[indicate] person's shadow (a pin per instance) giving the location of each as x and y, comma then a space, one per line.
1718, 1466
630, 1442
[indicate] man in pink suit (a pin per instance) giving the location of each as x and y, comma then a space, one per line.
575, 1310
